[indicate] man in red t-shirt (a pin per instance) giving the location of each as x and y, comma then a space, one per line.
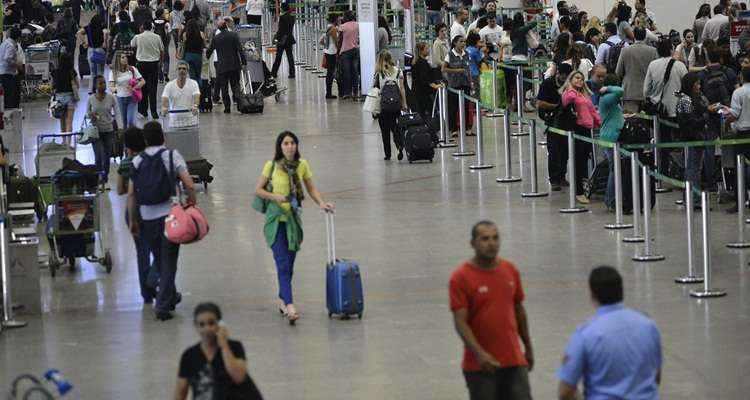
486, 299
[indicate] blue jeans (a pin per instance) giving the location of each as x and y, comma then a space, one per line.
127, 110
148, 277
609, 195
284, 263
96, 68
102, 153
434, 17
195, 65
348, 72
165, 261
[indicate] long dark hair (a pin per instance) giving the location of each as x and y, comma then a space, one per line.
279, 153
704, 11
193, 31
383, 23
688, 81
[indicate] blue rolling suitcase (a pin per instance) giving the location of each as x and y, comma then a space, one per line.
343, 280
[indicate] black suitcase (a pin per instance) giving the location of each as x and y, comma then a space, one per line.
249, 103
23, 190
418, 144
200, 170
83, 62
206, 104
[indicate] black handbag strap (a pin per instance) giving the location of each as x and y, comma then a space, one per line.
666, 79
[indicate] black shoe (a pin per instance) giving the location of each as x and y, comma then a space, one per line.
163, 315
177, 300
291, 76
330, 96
387, 158
732, 210
148, 300
565, 183
400, 155
227, 111
556, 188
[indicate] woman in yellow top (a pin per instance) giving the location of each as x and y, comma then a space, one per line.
283, 229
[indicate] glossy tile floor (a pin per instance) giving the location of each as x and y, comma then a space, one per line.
408, 227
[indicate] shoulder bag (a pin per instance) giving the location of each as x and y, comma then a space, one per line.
137, 92
260, 204
659, 108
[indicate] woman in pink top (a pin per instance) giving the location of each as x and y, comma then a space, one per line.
349, 53
576, 92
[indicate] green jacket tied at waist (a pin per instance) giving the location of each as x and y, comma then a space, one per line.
293, 226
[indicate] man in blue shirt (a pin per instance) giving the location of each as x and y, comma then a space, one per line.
617, 352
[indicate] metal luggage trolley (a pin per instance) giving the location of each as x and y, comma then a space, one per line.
74, 207
41, 62
182, 133
258, 72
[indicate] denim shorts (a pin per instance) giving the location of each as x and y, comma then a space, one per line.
66, 98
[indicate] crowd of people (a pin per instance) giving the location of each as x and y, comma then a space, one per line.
602, 71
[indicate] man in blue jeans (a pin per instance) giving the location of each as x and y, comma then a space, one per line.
151, 225
434, 16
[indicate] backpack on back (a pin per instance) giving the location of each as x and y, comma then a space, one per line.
123, 39
715, 86
613, 56
153, 183
390, 94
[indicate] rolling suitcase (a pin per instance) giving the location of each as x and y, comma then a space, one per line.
249, 103
344, 294
206, 104
418, 144
200, 171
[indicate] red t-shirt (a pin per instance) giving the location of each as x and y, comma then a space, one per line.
490, 297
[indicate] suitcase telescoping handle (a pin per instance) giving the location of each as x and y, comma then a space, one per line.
330, 238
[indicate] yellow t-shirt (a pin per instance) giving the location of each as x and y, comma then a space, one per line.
280, 180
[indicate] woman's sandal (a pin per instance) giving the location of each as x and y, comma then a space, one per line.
292, 315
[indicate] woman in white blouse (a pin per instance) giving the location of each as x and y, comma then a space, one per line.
124, 79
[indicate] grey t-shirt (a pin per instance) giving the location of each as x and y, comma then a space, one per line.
161, 210
382, 39
104, 111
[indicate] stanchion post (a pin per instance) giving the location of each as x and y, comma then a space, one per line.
648, 254
680, 202
532, 159
635, 185
657, 140
462, 152
707, 290
494, 113
445, 132
508, 178
619, 224
8, 320
740, 243
572, 208
519, 100
690, 278
480, 140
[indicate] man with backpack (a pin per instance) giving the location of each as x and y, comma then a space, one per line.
608, 53
155, 177
631, 69
717, 84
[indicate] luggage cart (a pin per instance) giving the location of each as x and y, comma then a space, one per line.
251, 36
41, 62
261, 79
73, 226
49, 159
182, 133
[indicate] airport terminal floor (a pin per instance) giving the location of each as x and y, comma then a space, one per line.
408, 227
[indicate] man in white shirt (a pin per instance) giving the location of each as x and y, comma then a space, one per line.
149, 51
712, 30
492, 33
462, 15
182, 93
254, 12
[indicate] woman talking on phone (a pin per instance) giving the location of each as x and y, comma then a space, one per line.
286, 174
215, 368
